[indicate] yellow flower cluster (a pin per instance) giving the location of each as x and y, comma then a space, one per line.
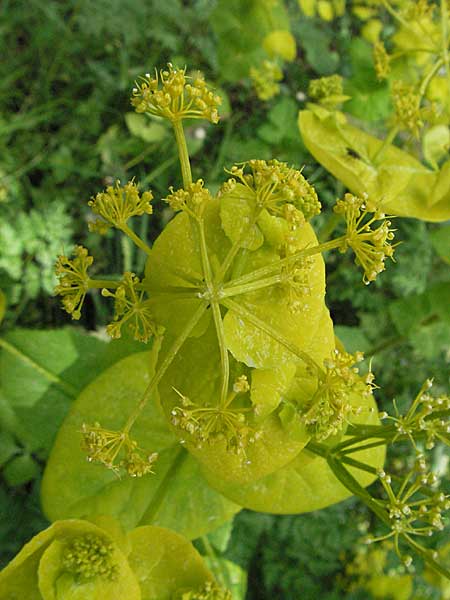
330, 408
266, 79
210, 591
275, 186
371, 246
174, 95
119, 203
381, 60
193, 199
90, 556
322, 88
408, 114
212, 424
106, 446
130, 308
73, 280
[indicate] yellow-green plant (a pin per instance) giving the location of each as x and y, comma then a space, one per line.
417, 68
242, 397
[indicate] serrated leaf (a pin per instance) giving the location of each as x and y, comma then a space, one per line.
20, 470
176, 496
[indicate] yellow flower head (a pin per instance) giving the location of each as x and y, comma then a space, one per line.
275, 187
132, 309
265, 79
73, 280
174, 95
210, 591
89, 557
193, 199
119, 203
371, 246
408, 114
116, 451
381, 61
330, 408
328, 91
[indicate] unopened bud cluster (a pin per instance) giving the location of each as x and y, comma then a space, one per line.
90, 557
119, 203
266, 79
193, 199
381, 60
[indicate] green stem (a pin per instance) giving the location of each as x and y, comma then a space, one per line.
273, 333
68, 389
368, 446
253, 286
136, 239
426, 555
387, 142
182, 152
277, 265
445, 53
102, 283
425, 83
174, 349
217, 569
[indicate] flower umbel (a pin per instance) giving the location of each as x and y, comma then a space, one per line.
132, 309
371, 246
330, 407
381, 61
408, 114
89, 557
174, 95
265, 79
210, 591
73, 280
211, 424
119, 203
193, 199
275, 186
414, 507
116, 451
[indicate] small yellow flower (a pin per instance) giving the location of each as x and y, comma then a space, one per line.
90, 556
371, 246
381, 61
174, 95
328, 91
132, 309
330, 408
265, 79
408, 114
119, 203
73, 280
281, 190
193, 199
116, 451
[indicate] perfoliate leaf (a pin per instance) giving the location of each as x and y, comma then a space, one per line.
307, 483
400, 183
165, 563
37, 572
176, 496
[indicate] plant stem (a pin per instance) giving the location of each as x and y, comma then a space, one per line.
165, 364
387, 142
253, 286
426, 81
102, 283
136, 239
220, 573
182, 152
276, 265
